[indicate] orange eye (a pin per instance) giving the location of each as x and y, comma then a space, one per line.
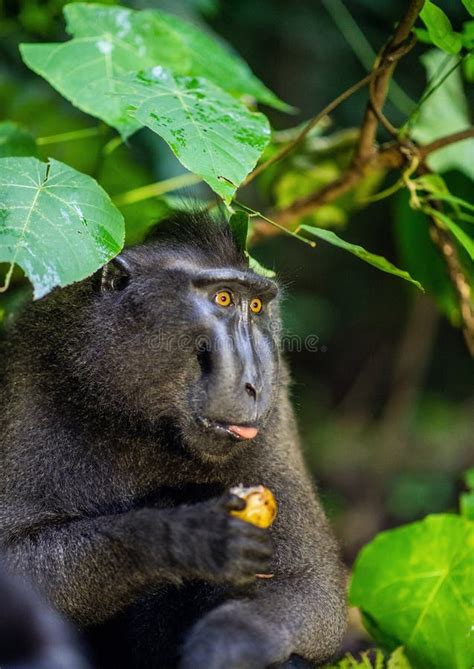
223, 298
256, 305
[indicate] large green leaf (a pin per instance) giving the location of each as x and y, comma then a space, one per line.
15, 140
111, 41
444, 112
108, 41
415, 586
439, 28
377, 261
205, 57
209, 131
239, 224
57, 224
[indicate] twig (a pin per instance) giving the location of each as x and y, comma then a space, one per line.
155, 189
380, 86
441, 142
72, 135
361, 47
390, 156
270, 221
311, 124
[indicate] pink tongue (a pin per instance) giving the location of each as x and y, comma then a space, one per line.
243, 432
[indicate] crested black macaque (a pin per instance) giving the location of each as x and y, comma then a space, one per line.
132, 402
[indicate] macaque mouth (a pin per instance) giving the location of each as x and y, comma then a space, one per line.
238, 432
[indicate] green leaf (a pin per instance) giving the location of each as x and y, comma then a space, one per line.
464, 239
207, 58
466, 503
15, 140
468, 34
469, 67
210, 132
239, 223
469, 5
57, 224
423, 35
444, 112
398, 660
260, 269
469, 478
415, 586
111, 41
421, 258
377, 261
440, 29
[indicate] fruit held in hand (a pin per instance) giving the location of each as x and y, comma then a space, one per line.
260, 508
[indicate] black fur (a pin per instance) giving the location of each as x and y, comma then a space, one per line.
32, 636
114, 494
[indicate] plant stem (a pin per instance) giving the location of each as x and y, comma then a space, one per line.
363, 50
274, 223
381, 82
441, 142
309, 126
72, 135
156, 189
8, 278
429, 92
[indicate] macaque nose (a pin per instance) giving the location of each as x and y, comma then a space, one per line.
250, 390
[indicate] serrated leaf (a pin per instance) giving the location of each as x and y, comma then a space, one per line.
444, 112
440, 29
15, 140
111, 41
239, 224
415, 585
377, 261
209, 131
57, 224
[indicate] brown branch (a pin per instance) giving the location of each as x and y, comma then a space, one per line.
441, 142
380, 84
445, 244
391, 156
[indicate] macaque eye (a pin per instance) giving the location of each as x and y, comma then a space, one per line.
223, 298
256, 305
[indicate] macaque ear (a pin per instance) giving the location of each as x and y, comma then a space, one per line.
115, 275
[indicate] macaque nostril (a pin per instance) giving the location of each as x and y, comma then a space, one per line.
250, 390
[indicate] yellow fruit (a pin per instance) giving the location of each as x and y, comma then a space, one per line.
261, 507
